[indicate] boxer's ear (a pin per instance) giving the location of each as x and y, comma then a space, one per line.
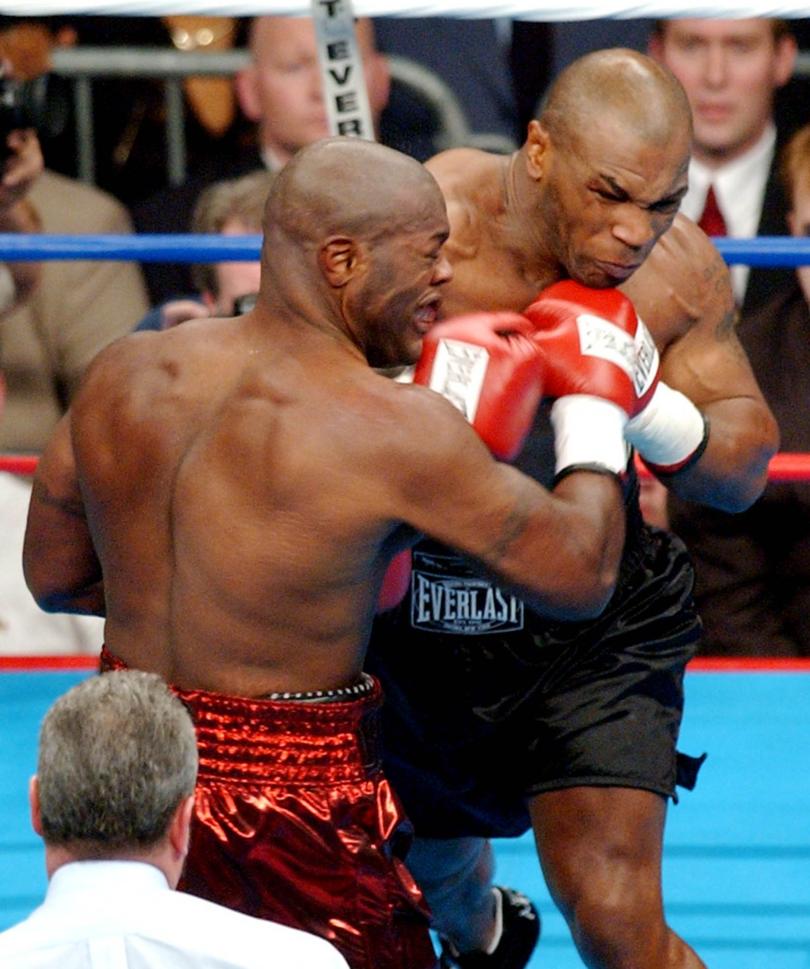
338, 258
538, 143
33, 801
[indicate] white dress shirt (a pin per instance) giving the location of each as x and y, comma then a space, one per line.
123, 915
739, 188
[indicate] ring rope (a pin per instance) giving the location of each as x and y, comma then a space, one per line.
785, 467
567, 10
199, 247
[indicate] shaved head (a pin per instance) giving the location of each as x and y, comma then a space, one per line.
353, 237
352, 187
620, 86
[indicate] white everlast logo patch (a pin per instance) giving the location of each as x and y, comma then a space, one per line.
601, 338
646, 360
462, 605
458, 374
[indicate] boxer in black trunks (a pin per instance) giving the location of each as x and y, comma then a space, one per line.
228, 493
497, 718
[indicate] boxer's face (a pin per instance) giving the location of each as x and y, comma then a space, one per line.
730, 70
799, 222
608, 196
401, 293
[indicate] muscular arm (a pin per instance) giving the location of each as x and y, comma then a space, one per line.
684, 295
59, 560
558, 551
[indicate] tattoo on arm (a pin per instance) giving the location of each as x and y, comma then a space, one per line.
513, 528
727, 326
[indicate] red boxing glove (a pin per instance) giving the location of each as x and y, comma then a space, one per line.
602, 367
488, 366
596, 345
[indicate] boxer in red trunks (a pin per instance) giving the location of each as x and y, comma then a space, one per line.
295, 820
228, 494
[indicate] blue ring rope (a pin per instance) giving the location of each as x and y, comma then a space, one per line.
165, 247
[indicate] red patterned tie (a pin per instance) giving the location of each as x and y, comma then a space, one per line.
712, 221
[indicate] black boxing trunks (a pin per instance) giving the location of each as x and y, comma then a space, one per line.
488, 703
296, 823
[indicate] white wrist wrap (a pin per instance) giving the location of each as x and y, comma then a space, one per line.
589, 431
669, 431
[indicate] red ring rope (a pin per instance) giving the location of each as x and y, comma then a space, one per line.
784, 467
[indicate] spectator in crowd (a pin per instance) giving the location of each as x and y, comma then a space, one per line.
230, 207
78, 307
24, 627
22, 165
54, 316
731, 71
128, 152
280, 93
753, 569
113, 799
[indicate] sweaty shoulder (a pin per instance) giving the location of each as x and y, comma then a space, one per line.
684, 283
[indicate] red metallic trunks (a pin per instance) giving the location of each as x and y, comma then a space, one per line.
296, 823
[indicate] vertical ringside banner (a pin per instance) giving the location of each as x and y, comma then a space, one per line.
344, 83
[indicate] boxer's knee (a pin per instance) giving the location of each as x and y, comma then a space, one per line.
600, 849
614, 930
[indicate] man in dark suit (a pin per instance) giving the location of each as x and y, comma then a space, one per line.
280, 92
732, 71
753, 569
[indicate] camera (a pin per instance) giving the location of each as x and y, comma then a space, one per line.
39, 104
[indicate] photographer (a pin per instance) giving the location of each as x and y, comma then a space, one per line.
23, 164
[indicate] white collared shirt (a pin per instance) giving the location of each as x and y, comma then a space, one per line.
123, 915
739, 188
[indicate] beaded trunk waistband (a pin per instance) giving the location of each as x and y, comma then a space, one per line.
324, 740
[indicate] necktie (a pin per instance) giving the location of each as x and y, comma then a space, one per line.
712, 221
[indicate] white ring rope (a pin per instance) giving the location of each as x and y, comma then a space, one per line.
519, 9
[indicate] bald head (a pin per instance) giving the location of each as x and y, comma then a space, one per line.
620, 86
353, 244
350, 187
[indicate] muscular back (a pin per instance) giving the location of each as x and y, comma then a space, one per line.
232, 505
